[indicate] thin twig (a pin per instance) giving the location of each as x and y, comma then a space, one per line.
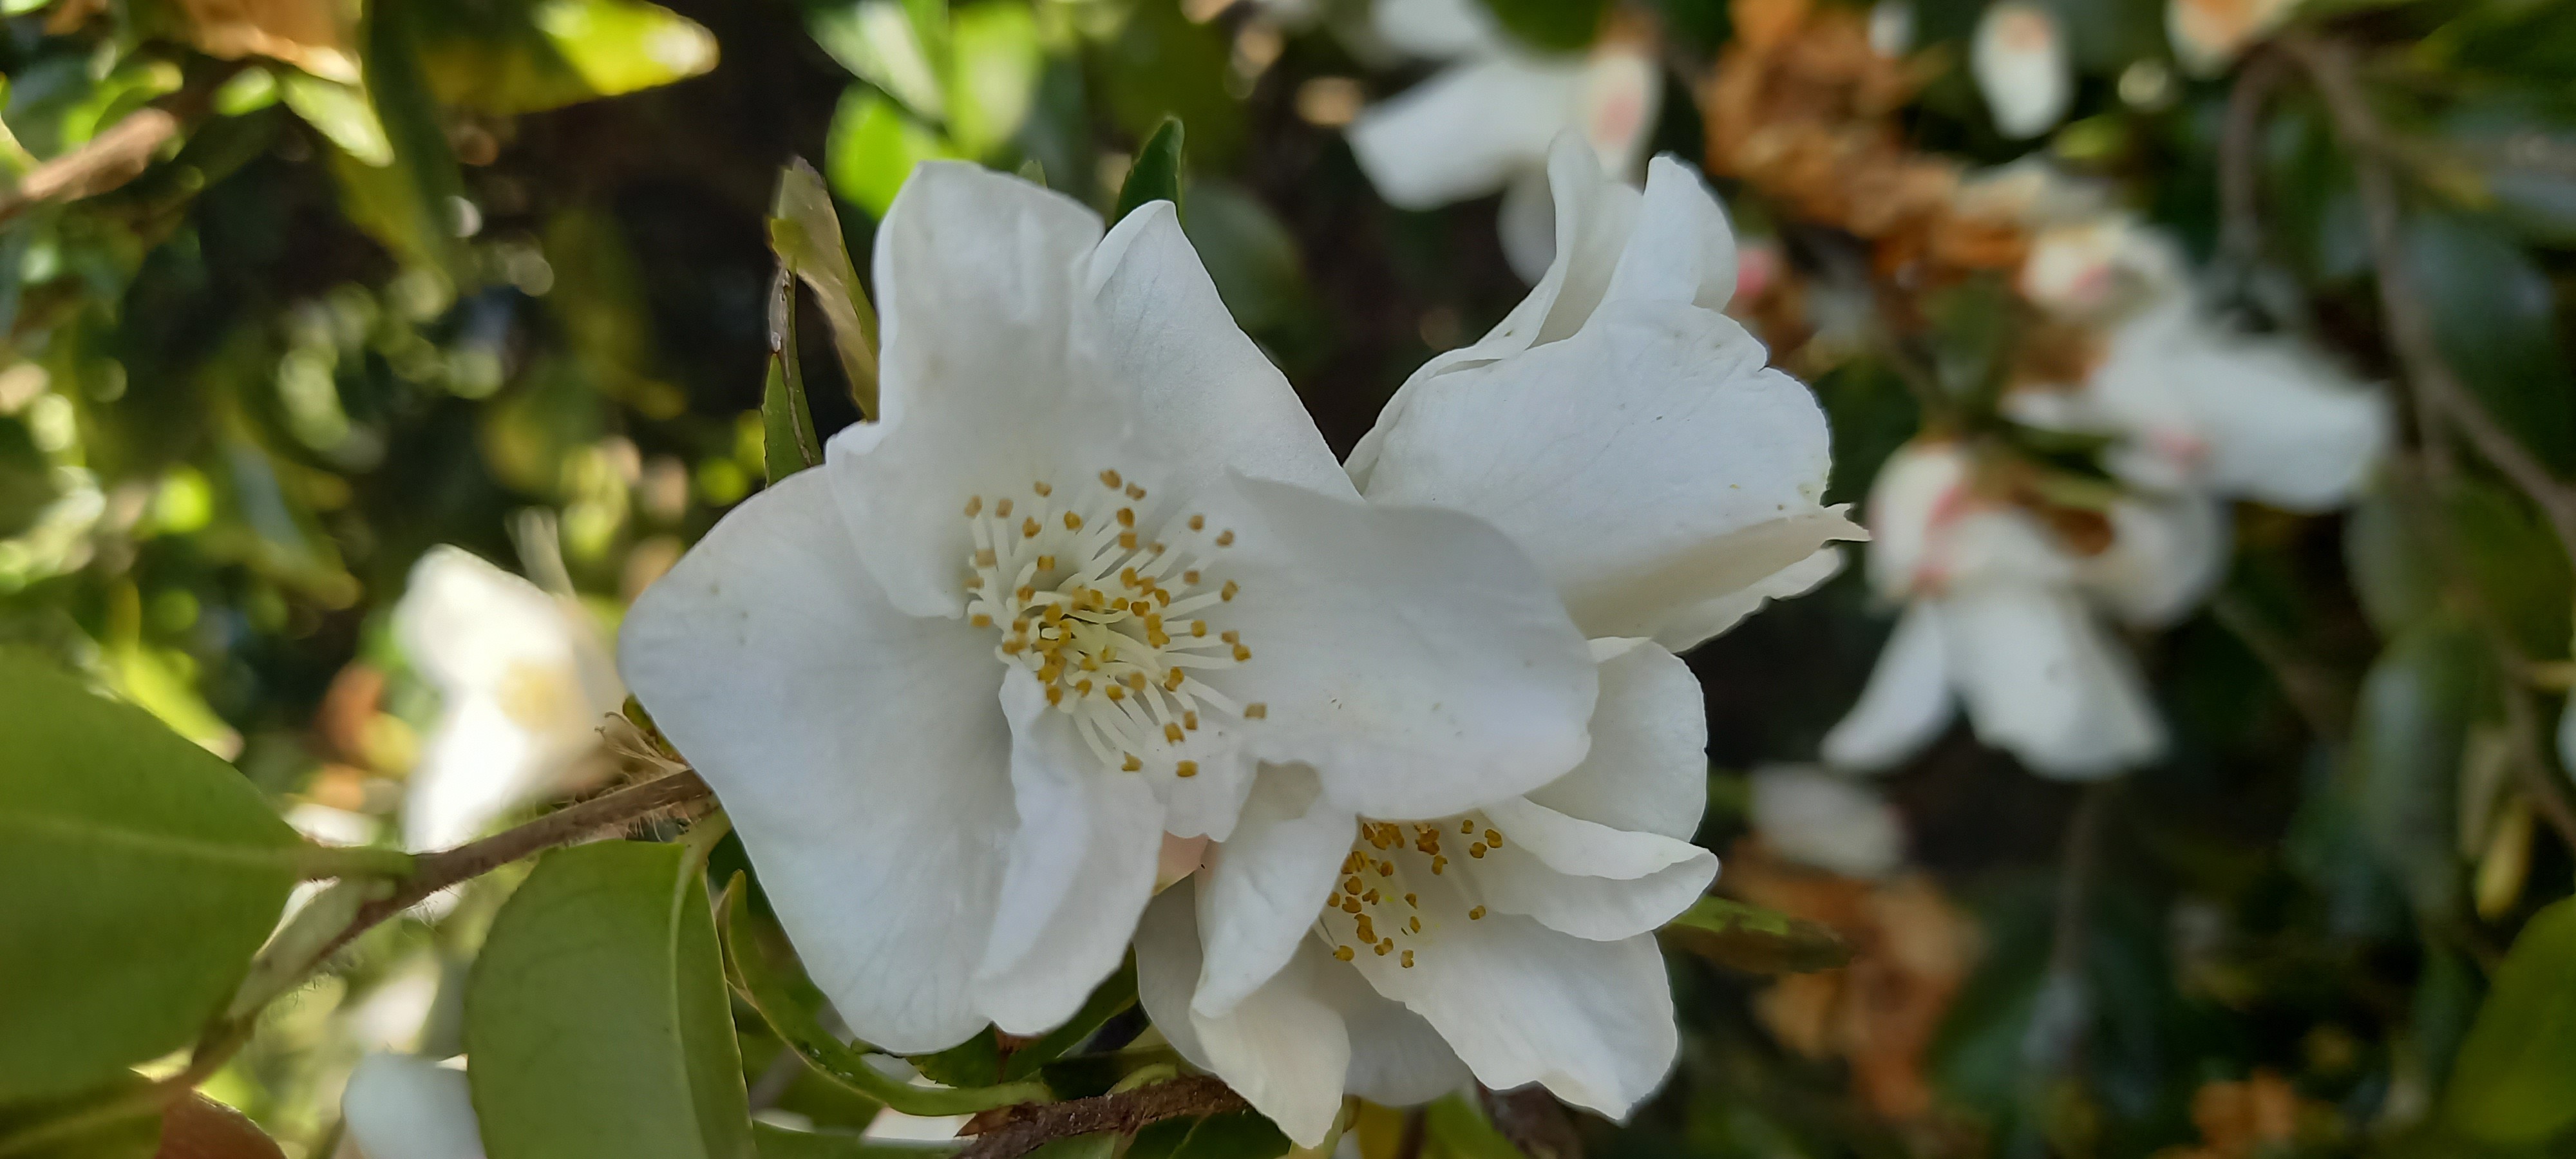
1126, 1112
2320, 698
122, 151
2441, 399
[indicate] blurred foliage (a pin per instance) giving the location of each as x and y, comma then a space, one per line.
406, 269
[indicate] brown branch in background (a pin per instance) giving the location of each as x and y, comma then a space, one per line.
122, 151
1031, 1126
1533, 1120
2321, 698
2240, 234
2442, 401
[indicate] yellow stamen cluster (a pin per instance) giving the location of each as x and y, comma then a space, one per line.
1110, 621
1371, 909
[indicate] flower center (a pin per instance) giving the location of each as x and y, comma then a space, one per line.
1378, 909
1119, 626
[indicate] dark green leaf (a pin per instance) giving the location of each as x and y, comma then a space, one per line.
1101, 1145
1163, 65
1459, 1126
525, 56
2397, 577
89, 1125
2521, 575
1240, 1135
26, 480
1559, 25
2515, 1081
138, 874
2414, 715
780, 1143
596, 1014
771, 990
2495, 313
1156, 175
431, 189
873, 147
805, 231
2523, 150
788, 442
978, 1061
1756, 940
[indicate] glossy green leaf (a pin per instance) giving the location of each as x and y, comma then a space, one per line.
1156, 175
1249, 254
788, 442
997, 59
2504, 548
2522, 147
1101, 1145
2397, 577
88, 1125
890, 46
525, 56
1754, 939
26, 479
874, 146
978, 1061
138, 874
339, 112
2495, 314
426, 203
1162, 65
596, 1014
805, 232
2416, 705
772, 990
2515, 1079
1555, 25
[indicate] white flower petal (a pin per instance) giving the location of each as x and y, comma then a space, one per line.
1522, 1003
1648, 768
1465, 132
1284, 1048
398, 1106
2020, 62
2043, 680
1831, 822
477, 764
860, 752
992, 377
1713, 618
1206, 397
1397, 1059
1626, 460
1265, 884
1412, 657
1907, 701
1682, 249
2165, 557
1527, 222
1570, 845
1623, 89
1919, 490
1516, 879
1079, 871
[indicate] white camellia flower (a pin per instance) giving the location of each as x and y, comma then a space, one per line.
1092, 567
2020, 61
524, 679
1487, 122
1998, 614
400, 1106
2198, 407
1625, 433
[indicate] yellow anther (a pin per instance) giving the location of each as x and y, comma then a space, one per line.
1225, 538
1189, 720
1046, 563
1026, 593
974, 582
1385, 945
1367, 931
1343, 954
1351, 886
1413, 925
1190, 576
1350, 905
1186, 769
1126, 541
984, 557
1255, 710
1072, 522
1132, 764
1172, 683
1468, 826
1410, 900
1029, 527
1043, 488
1408, 959
1014, 646
1241, 653
1198, 523
980, 620
1082, 688
1494, 837
1198, 627
1171, 733
1135, 492
1055, 695
1230, 637
1116, 694
1476, 850
974, 507
1126, 517
1136, 680
1386, 869
1477, 914
1227, 592
1352, 863
1109, 479
1438, 863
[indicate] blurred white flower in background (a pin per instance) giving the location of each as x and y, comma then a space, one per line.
1628, 436
523, 678
400, 1106
1485, 123
1827, 820
2207, 35
1997, 615
1092, 567
2019, 58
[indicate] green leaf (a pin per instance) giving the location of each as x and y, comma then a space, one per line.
2398, 579
2495, 315
2522, 148
781, 1143
2416, 705
26, 479
1460, 1126
996, 61
1557, 25
788, 443
1240, 1135
805, 232
596, 1014
1100, 1145
771, 990
978, 1061
526, 56
90, 1125
339, 112
874, 146
888, 46
1756, 940
2504, 548
431, 192
2515, 1080
1156, 175
1249, 254
138, 874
